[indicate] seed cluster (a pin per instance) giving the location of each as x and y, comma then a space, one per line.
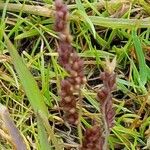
96, 138
61, 26
92, 139
71, 62
105, 96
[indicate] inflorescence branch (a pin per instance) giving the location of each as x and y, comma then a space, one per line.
71, 62
96, 138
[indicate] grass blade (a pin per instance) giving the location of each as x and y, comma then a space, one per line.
120, 22
31, 89
44, 145
16, 138
82, 13
141, 58
30, 86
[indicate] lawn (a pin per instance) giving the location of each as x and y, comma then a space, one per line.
74, 75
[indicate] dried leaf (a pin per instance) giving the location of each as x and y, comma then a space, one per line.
16, 138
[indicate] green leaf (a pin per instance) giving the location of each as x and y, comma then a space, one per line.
82, 13
26, 34
141, 58
30, 86
34, 95
44, 145
119, 22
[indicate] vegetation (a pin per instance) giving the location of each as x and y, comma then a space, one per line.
110, 42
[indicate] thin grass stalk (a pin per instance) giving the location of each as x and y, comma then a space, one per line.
29, 9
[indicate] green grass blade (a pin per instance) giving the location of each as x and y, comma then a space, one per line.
141, 58
44, 145
30, 86
120, 22
27, 34
50, 131
82, 13
2, 23
34, 95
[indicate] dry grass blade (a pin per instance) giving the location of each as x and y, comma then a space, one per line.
37, 10
15, 137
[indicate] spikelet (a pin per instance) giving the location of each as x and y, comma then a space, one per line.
96, 138
71, 62
93, 139
105, 94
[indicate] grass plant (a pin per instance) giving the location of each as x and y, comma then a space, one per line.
30, 75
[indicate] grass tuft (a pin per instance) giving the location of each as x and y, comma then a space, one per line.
30, 75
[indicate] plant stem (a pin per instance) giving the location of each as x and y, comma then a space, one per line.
79, 119
106, 128
29, 9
